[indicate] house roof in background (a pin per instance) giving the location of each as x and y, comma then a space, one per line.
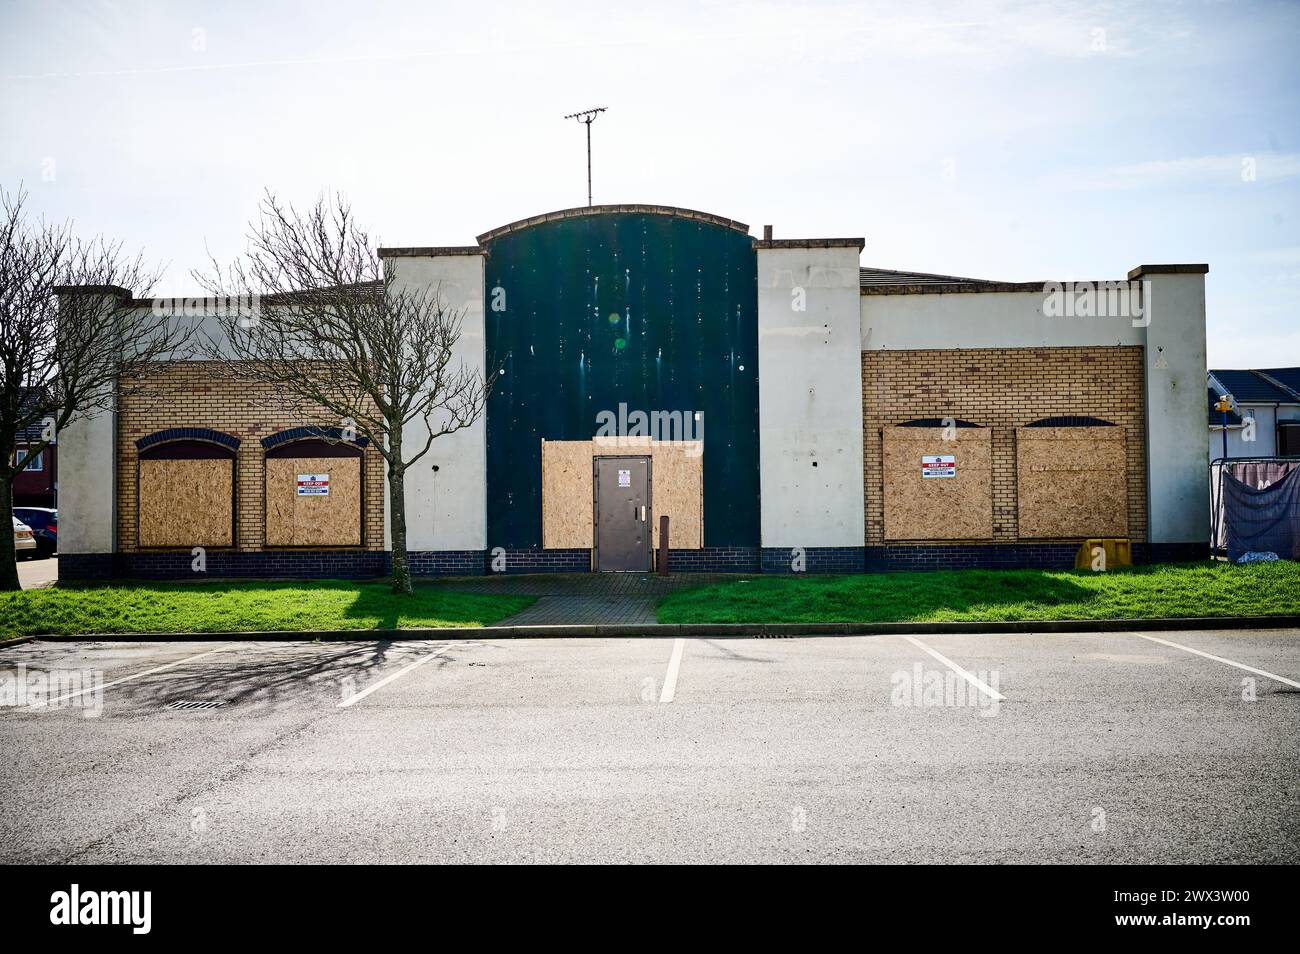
876, 277
32, 432
1289, 378
1259, 387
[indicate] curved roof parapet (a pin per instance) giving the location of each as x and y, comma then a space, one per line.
1071, 420
188, 434
311, 432
610, 210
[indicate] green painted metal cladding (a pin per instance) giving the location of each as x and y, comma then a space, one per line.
653, 311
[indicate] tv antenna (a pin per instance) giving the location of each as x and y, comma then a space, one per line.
587, 116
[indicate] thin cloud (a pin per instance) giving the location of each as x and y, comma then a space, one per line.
1224, 171
1289, 255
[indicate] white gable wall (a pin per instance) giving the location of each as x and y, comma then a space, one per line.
810, 397
446, 509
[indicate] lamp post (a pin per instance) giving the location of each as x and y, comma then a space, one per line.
1223, 406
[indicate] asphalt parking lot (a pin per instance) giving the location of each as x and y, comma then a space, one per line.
1112, 747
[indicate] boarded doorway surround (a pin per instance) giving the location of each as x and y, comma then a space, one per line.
568, 491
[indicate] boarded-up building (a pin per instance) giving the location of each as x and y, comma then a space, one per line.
781, 405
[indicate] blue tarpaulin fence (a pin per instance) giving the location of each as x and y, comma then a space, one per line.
1260, 508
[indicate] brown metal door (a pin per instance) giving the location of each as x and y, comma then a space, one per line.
622, 509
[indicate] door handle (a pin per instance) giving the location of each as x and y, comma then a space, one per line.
643, 513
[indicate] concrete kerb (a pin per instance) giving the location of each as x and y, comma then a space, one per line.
710, 630
18, 641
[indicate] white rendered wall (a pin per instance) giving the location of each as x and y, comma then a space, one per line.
983, 320
447, 509
1178, 438
87, 488
810, 398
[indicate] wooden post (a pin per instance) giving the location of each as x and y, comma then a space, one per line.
663, 545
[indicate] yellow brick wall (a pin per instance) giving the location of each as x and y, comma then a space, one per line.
189, 395
1002, 389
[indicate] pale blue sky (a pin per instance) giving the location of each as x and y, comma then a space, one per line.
999, 140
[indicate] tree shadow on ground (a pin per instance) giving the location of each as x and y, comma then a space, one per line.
270, 673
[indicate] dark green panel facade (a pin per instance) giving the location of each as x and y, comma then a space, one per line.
657, 312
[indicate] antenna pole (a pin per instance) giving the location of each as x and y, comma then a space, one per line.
587, 116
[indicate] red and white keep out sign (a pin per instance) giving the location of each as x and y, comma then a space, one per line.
939, 465
313, 485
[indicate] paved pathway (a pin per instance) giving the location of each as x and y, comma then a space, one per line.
35, 574
564, 610
586, 597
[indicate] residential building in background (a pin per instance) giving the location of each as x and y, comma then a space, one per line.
1270, 398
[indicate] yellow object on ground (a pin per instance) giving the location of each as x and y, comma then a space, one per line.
1104, 553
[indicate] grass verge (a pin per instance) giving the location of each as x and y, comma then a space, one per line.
1147, 592
235, 607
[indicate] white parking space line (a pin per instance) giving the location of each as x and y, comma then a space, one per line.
981, 686
1227, 662
387, 679
115, 682
674, 665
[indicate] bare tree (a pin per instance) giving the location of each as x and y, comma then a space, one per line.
332, 333
65, 357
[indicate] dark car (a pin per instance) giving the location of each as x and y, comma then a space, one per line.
45, 527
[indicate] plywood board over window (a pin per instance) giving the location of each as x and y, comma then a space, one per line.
186, 503
295, 519
1073, 482
951, 503
677, 477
